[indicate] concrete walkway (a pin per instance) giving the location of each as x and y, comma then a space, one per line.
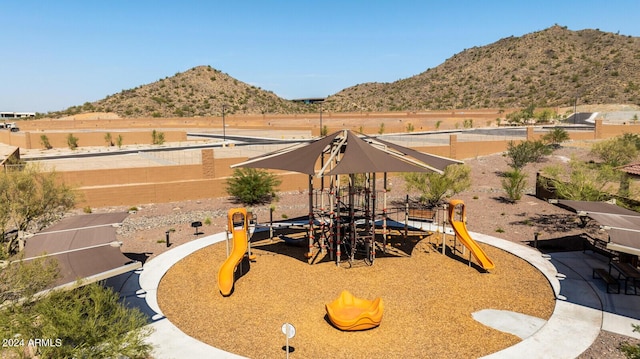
582, 308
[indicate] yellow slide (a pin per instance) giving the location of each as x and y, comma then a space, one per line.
238, 227
463, 235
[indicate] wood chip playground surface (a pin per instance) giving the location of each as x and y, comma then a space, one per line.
429, 299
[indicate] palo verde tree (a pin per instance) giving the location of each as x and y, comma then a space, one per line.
433, 187
31, 199
252, 186
580, 181
86, 322
616, 152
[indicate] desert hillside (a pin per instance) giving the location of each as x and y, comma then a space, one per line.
552, 67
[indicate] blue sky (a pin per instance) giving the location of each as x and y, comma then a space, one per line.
57, 54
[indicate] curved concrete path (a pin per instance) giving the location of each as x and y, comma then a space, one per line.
575, 323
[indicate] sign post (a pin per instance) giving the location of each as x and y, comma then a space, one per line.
289, 331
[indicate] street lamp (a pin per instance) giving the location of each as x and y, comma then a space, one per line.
575, 110
224, 127
320, 120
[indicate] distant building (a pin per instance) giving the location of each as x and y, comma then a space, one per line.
16, 114
308, 101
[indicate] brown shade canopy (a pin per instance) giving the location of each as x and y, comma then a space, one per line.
351, 154
623, 225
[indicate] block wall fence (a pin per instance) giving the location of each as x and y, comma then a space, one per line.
134, 186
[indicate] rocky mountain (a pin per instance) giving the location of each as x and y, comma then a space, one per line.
200, 91
552, 67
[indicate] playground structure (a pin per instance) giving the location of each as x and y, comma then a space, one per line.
350, 313
345, 213
238, 226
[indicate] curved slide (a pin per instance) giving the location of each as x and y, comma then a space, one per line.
463, 235
237, 218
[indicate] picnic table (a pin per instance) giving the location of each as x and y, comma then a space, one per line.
629, 273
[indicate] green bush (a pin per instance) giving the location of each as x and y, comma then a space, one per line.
514, 183
556, 136
433, 187
252, 186
108, 139
72, 141
631, 351
526, 152
87, 322
157, 137
44, 140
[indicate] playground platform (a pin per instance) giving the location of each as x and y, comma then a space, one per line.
583, 306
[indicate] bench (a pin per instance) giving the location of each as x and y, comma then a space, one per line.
612, 283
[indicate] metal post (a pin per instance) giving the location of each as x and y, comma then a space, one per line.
320, 120
224, 127
167, 238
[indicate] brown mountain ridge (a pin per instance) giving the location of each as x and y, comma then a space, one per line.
551, 67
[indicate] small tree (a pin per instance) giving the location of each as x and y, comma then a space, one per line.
617, 151
108, 139
252, 186
119, 140
44, 140
433, 187
324, 130
526, 152
580, 181
381, 128
31, 198
72, 141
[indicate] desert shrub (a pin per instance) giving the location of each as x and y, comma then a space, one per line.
44, 140
580, 181
514, 183
252, 186
72, 141
631, 351
410, 127
526, 152
617, 151
433, 187
157, 138
108, 139
87, 322
556, 136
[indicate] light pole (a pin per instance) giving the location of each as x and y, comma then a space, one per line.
575, 110
320, 120
224, 127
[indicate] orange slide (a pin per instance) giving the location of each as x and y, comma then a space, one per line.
238, 227
463, 235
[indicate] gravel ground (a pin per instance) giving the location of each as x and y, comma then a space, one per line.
144, 231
